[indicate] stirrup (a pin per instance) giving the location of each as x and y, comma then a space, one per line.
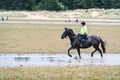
81, 45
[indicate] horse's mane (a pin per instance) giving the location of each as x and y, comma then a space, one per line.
71, 31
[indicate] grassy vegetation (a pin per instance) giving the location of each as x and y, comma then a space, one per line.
61, 73
28, 38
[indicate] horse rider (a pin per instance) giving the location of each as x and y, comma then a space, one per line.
83, 34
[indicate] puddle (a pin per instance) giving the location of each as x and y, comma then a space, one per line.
35, 60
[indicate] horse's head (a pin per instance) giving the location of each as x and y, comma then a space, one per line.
66, 33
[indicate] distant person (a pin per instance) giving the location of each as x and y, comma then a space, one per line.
69, 20
83, 34
76, 20
7, 18
65, 20
2, 18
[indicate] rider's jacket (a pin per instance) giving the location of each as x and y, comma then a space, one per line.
83, 30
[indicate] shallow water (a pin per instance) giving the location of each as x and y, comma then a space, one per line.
35, 60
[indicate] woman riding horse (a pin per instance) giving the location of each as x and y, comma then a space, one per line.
91, 41
83, 33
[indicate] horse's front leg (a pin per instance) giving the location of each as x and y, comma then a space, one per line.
69, 51
78, 50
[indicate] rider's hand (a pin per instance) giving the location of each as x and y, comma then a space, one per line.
78, 34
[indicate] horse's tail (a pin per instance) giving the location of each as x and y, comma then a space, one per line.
103, 46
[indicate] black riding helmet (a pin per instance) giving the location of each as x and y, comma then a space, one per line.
83, 23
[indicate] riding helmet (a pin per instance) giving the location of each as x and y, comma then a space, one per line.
83, 23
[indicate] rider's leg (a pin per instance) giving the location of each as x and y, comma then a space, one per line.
81, 40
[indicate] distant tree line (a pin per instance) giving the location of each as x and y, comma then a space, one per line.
57, 5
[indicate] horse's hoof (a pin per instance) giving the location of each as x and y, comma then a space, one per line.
80, 58
101, 57
70, 55
91, 55
76, 57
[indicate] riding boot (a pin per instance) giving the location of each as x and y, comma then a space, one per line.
81, 43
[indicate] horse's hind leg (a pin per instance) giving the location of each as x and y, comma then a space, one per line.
97, 49
100, 52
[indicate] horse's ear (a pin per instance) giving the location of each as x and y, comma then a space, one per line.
65, 28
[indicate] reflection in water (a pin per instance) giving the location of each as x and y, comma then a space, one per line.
51, 59
22, 59
58, 60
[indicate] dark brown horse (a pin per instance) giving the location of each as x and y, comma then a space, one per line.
91, 41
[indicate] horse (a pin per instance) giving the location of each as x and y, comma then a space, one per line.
91, 41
